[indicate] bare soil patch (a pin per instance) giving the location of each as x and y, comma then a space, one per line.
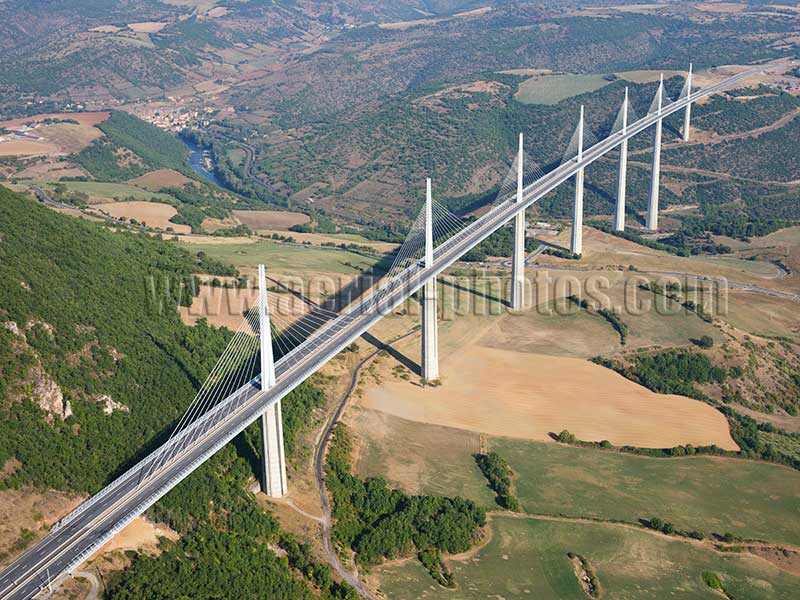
25, 515
154, 214
140, 535
529, 396
160, 179
279, 220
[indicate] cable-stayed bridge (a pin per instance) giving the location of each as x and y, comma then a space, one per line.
248, 382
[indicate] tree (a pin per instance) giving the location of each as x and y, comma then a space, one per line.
706, 341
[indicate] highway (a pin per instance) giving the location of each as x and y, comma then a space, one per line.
96, 521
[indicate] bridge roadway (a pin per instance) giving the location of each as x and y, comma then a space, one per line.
97, 520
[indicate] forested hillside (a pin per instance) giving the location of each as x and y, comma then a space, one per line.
94, 359
130, 148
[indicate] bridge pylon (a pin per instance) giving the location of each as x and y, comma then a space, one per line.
687, 116
576, 241
652, 207
619, 214
430, 329
518, 259
273, 460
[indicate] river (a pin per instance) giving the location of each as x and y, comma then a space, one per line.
199, 159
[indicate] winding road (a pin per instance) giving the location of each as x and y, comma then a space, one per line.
319, 467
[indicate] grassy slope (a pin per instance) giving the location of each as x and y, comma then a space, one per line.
288, 259
528, 559
749, 499
710, 494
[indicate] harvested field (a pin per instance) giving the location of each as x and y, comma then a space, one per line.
154, 214
225, 307
147, 27
212, 240
20, 147
529, 396
213, 225
160, 179
279, 220
552, 89
84, 118
335, 238
436, 460
50, 170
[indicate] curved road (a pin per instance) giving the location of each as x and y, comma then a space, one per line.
351, 578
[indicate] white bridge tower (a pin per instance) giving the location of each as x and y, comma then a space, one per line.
619, 215
273, 461
652, 208
688, 114
518, 259
430, 331
576, 243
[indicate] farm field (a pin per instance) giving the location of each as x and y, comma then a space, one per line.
154, 214
529, 396
278, 220
84, 118
225, 307
711, 494
160, 179
768, 316
103, 192
290, 260
527, 558
603, 249
23, 147
552, 89
332, 238
435, 460
647, 76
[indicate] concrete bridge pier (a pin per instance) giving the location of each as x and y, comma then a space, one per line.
430, 330
273, 461
688, 114
619, 214
576, 242
518, 260
652, 208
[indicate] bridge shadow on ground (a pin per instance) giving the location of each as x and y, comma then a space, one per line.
477, 293
393, 352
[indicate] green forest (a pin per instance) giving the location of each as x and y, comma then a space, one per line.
152, 148
96, 312
378, 522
